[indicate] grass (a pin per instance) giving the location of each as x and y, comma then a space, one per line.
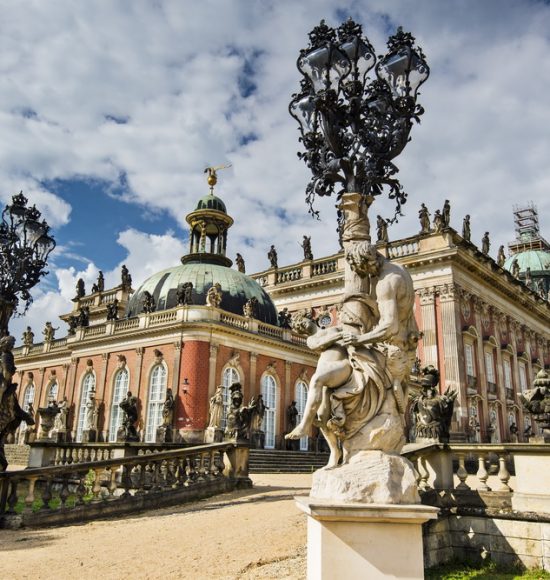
489, 571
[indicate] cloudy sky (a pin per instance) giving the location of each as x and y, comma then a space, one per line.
110, 111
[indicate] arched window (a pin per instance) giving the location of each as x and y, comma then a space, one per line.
230, 376
119, 392
300, 397
269, 393
53, 390
28, 399
88, 385
155, 401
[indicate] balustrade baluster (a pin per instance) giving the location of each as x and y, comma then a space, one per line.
159, 471
127, 479
503, 474
81, 488
190, 471
201, 471
212, 468
12, 497
69, 456
482, 474
64, 493
29, 499
461, 473
47, 494
220, 463
96, 488
112, 487
57, 456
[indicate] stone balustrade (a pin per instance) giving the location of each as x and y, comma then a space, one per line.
402, 249
86, 490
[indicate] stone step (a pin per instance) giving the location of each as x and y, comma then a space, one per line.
276, 461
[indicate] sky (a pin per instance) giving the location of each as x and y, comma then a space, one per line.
110, 111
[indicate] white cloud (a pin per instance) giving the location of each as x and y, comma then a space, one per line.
154, 91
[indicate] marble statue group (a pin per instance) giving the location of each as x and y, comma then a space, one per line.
359, 391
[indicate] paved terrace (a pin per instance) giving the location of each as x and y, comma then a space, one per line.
248, 534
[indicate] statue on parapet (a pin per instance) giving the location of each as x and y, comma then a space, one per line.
514, 268
239, 260
437, 222
251, 307
184, 294
80, 289
381, 230
501, 257
214, 295
100, 282
424, 217
284, 318
446, 214
126, 279
466, 229
272, 257
28, 337
83, 317
49, 332
112, 310
485, 244
165, 431
306, 247
148, 303
432, 412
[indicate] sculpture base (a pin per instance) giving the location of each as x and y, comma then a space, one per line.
89, 436
127, 435
370, 477
213, 435
257, 440
59, 436
356, 541
164, 434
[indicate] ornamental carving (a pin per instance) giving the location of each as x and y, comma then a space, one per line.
426, 295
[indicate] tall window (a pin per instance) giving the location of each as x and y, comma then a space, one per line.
155, 401
230, 376
52, 391
490, 367
522, 376
88, 384
119, 392
508, 379
28, 398
269, 392
300, 397
469, 356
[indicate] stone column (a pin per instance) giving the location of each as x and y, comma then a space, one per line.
482, 374
455, 373
212, 363
429, 327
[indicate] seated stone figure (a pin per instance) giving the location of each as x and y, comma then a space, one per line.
367, 356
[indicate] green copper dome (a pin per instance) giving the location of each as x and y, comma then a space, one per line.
237, 289
537, 260
211, 201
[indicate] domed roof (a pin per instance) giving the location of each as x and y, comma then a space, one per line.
211, 201
537, 260
237, 289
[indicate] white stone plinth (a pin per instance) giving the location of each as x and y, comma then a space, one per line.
364, 541
532, 493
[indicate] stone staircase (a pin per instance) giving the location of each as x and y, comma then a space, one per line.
273, 461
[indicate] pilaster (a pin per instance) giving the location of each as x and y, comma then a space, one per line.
429, 326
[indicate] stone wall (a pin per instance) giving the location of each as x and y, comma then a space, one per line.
518, 538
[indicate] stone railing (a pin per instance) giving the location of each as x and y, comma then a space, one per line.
234, 320
326, 267
127, 324
288, 275
400, 250
162, 317
95, 330
108, 297
58, 344
83, 491
268, 330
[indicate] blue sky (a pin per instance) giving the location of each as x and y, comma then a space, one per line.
110, 111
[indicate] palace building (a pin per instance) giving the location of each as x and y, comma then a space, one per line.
487, 331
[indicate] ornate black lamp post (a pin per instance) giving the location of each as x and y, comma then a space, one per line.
24, 249
353, 126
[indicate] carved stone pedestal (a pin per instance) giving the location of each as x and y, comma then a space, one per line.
213, 435
89, 436
59, 436
358, 540
257, 440
164, 434
532, 491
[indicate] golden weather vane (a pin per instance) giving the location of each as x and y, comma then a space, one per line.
213, 176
